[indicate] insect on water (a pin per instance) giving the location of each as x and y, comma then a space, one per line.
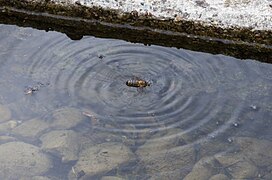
120, 85
137, 82
109, 74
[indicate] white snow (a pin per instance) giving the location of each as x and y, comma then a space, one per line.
255, 14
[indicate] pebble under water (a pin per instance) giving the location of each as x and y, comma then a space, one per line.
67, 113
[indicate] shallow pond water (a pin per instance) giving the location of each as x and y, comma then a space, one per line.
67, 113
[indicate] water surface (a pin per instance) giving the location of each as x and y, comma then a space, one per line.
206, 105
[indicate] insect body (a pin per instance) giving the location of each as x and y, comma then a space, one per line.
108, 74
139, 83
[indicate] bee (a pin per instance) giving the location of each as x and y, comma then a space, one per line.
108, 74
138, 83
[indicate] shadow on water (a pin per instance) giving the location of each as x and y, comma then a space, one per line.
67, 112
243, 46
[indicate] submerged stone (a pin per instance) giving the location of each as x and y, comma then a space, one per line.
66, 118
111, 178
101, 158
165, 155
37, 178
162, 141
102, 137
169, 162
31, 129
64, 143
237, 165
18, 159
8, 126
209, 148
6, 139
203, 169
219, 177
5, 113
256, 150
267, 176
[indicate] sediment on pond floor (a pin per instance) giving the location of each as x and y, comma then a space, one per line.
77, 20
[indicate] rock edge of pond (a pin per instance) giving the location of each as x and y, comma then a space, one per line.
77, 20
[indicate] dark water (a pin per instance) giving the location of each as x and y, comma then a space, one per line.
200, 101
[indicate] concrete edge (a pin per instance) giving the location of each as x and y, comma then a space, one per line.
238, 42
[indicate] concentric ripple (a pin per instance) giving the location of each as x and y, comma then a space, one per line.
194, 92
185, 93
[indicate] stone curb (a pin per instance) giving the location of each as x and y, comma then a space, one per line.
239, 42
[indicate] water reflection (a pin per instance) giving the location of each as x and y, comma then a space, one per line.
203, 115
